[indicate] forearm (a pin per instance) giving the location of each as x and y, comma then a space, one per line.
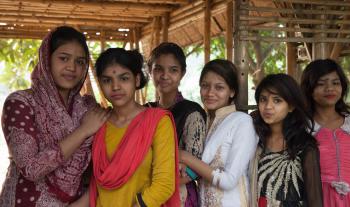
200, 167
72, 142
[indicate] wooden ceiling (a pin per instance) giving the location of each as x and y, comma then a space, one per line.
122, 20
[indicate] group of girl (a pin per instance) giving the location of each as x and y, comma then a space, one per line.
292, 151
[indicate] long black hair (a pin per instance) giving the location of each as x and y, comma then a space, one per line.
297, 125
313, 72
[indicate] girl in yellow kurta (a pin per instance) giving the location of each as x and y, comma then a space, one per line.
134, 153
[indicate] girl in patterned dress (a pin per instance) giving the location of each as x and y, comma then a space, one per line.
167, 66
47, 127
285, 171
231, 140
326, 85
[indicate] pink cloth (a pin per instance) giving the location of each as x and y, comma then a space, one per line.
129, 155
334, 146
34, 121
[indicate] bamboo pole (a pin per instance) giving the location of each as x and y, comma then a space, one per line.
294, 39
103, 100
229, 31
165, 27
315, 2
207, 29
94, 6
293, 20
337, 47
320, 50
296, 11
295, 29
240, 55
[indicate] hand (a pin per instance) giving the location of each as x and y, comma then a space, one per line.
94, 119
182, 169
184, 155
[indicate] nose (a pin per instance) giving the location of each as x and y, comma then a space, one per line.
115, 85
268, 104
329, 87
71, 65
164, 75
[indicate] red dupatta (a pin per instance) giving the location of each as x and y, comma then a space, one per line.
129, 155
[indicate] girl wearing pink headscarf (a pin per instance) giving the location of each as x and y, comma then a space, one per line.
48, 127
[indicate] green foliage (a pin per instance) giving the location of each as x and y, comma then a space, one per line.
17, 60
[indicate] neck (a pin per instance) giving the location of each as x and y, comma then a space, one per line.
64, 95
276, 130
325, 113
168, 99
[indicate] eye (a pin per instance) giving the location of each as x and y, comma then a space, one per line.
203, 85
277, 100
336, 83
106, 80
64, 58
262, 99
81, 62
219, 88
320, 84
174, 70
124, 78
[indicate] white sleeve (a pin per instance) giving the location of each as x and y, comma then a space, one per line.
244, 143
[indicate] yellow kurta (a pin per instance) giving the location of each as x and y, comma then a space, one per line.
154, 178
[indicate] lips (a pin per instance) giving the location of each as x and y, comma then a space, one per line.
330, 96
69, 77
117, 96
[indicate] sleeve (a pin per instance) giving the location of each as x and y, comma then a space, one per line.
194, 134
163, 166
242, 149
19, 127
312, 177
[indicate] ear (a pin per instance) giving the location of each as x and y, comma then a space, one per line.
232, 94
138, 80
291, 109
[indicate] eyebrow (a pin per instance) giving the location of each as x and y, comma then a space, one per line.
65, 53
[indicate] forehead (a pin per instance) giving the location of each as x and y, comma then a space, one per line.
71, 47
213, 78
116, 69
329, 76
166, 59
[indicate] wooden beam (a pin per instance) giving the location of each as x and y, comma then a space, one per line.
338, 47
95, 6
207, 27
165, 27
315, 2
294, 29
294, 39
76, 15
181, 2
90, 22
293, 20
229, 31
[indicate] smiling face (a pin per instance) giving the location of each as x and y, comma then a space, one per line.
272, 107
68, 66
166, 74
118, 84
328, 90
215, 92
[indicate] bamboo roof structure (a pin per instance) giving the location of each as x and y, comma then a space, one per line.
180, 21
311, 28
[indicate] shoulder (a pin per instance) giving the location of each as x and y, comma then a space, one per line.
89, 101
239, 117
189, 106
23, 96
346, 125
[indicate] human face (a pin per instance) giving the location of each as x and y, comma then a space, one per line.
215, 92
328, 90
118, 84
68, 66
166, 74
273, 108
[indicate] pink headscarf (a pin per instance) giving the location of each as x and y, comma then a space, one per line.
54, 122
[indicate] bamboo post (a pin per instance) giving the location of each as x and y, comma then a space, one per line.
338, 47
229, 31
240, 55
87, 87
291, 51
103, 100
321, 50
207, 25
165, 27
